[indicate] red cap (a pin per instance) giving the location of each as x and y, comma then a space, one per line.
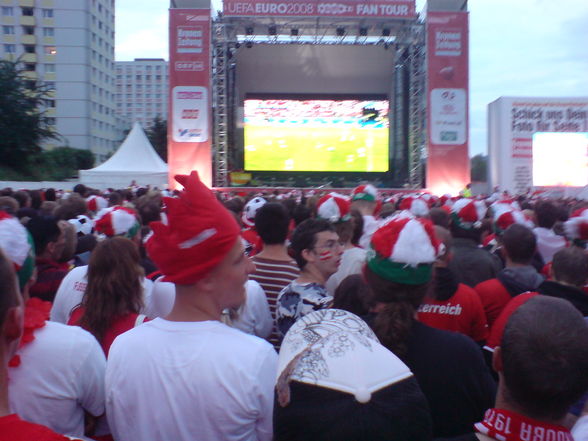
196, 234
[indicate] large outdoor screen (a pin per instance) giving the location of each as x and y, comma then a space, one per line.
334, 135
560, 159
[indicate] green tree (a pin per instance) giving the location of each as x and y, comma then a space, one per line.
64, 162
479, 168
23, 122
157, 134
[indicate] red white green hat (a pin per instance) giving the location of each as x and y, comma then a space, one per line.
403, 250
576, 227
195, 235
17, 244
415, 205
117, 221
334, 207
96, 203
365, 192
250, 210
468, 213
504, 215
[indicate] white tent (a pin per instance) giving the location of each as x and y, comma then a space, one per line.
135, 160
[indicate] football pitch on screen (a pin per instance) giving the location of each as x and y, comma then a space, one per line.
299, 148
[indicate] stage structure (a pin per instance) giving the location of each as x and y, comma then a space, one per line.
309, 54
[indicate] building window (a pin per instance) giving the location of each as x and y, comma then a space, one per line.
51, 121
50, 103
47, 13
48, 32
7, 10
49, 68
138, 77
10, 48
30, 67
8, 30
49, 50
29, 48
28, 30
28, 12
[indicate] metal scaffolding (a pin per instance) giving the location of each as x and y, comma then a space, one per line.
407, 36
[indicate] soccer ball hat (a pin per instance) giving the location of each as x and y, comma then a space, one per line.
468, 213
195, 236
337, 350
17, 244
334, 207
403, 250
365, 192
415, 205
117, 221
96, 203
251, 209
83, 224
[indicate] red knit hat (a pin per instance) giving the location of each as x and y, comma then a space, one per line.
198, 233
468, 213
415, 205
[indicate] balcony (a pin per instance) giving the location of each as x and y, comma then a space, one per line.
29, 58
27, 20
26, 3
28, 39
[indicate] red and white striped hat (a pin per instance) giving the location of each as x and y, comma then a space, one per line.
468, 213
576, 227
365, 192
250, 210
415, 205
403, 250
96, 203
505, 218
334, 207
117, 221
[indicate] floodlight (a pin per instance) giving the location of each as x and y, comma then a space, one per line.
340, 32
363, 32
294, 32
249, 30
272, 30
386, 32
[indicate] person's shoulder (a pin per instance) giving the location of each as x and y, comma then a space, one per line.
13, 428
486, 285
446, 341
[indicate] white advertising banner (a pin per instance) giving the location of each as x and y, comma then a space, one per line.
190, 115
512, 122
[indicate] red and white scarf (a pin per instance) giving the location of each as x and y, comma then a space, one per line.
504, 425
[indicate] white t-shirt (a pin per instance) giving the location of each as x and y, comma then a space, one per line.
186, 381
255, 317
61, 373
548, 243
352, 262
71, 292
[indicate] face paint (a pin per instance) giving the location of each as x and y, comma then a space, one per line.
325, 255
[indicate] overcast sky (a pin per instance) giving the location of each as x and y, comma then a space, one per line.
517, 48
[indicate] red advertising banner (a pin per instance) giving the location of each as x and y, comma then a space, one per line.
335, 8
448, 164
189, 119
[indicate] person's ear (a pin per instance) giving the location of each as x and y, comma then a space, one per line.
497, 359
308, 255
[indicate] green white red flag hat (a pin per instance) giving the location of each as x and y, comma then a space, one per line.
416, 205
366, 192
117, 221
468, 213
96, 203
404, 249
334, 207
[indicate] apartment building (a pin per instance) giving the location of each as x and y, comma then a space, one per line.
141, 90
68, 45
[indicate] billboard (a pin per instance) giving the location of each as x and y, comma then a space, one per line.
560, 159
307, 8
512, 122
189, 122
448, 169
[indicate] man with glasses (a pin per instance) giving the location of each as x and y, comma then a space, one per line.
317, 250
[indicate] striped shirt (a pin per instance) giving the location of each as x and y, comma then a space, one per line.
273, 276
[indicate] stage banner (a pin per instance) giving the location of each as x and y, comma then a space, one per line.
189, 119
306, 8
512, 122
448, 164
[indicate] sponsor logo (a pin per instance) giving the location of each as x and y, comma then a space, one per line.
189, 95
193, 66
